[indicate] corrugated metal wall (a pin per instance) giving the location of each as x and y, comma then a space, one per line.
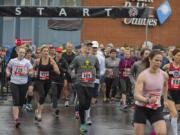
45, 35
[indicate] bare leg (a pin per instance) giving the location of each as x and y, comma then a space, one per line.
160, 127
15, 111
139, 129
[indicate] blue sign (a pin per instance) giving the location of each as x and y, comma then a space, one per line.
164, 12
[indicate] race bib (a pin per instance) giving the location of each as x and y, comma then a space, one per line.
87, 76
20, 71
175, 82
44, 75
155, 105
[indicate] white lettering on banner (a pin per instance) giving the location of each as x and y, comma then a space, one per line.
140, 21
86, 12
40, 10
108, 11
18, 11
62, 12
127, 4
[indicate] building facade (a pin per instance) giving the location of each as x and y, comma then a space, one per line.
119, 33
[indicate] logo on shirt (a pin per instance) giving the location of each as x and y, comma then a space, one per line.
87, 65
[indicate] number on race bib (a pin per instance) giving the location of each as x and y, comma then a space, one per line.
20, 70
44, 75
87, 76
175, 82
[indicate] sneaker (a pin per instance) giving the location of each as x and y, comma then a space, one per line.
88, 121
37, 117
29, 107
56, 113
83, 128
124, 107
104, 100
66, 104
17, 123
24, 107
77, 115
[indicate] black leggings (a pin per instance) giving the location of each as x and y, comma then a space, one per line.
56, 92
43, 89
84, 96
18, 94
111, 83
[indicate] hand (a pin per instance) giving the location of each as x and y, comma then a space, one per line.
153, 100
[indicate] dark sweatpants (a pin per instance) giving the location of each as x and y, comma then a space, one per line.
84, 96
56, 92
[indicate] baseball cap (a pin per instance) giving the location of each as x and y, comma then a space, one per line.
59, 50
87, 42
95, 44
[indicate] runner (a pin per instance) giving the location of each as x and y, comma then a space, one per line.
18, 70
31, 83
140, 65
125, 83
111, 76
101, 59
87, 68
173, 70
150, 85
68, 55
45, 65
58, 80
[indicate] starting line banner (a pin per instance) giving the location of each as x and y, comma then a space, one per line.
74, 12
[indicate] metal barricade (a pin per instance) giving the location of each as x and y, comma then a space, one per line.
4, 85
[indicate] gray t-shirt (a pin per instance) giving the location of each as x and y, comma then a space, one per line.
87, 70
114, 65
19, 70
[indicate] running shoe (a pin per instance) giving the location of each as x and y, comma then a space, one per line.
66, 104
56, 113
29, 107
83, 128
37, 117
88, 121
124, 107
17, 123
104, 100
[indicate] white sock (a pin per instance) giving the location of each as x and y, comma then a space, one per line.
88, 113
174, 125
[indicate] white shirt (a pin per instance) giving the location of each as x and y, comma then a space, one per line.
19, 70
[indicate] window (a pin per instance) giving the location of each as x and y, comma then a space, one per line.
8, 2
68, 2
45, 2
26, 2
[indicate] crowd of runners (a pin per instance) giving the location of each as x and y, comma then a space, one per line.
147, 80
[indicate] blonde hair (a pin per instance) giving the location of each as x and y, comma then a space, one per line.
44, 46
